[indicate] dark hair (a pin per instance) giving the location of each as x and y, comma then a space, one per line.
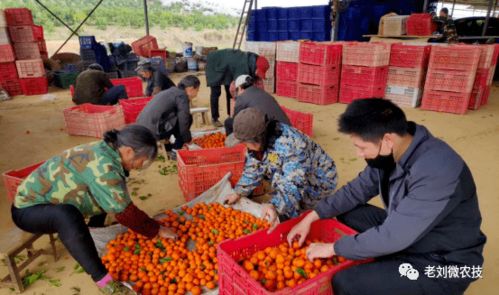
189, 81
95, 66
248, 82
445, 10
138, 137
372, 118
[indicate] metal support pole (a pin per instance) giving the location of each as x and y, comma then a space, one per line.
239, 24
78, 28
146, 17
486, 25
425, 6
453, 5
494, 9
56, 17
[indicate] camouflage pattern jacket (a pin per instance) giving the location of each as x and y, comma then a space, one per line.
300, 172
89, 177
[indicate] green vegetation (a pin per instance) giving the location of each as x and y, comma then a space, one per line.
128, 13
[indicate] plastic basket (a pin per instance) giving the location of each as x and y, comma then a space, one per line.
486, 56
320, 53
93, 120
349, 93
294, 13
293, 25
3, 22
286, 71
358, 75
133, 107
8, 71
478, 96
31, 68
27, 50
448, 80
315, 94
161, 53
446, 102
13, 87
18, 16
282, 24
482, 78
34, 86
269, 85
454, 57
88, 54
143, 46
404, 96
409, 56
4, 36
64, 79
286, 88
321, 12
288, 51
6, 53
87, 42
420, 24
13, 178
198, 170
318, 75
306, 25
235, 280
406, 77
25, 34
301, 121
133, 86
370, 54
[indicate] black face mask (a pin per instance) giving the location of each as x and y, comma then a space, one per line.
384, 162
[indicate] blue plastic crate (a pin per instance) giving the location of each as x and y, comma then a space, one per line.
260, 15
272, 24
87, 54
283, 35
282, 24
321, 12
273, 36
319, 25
282, 13
251, 36
294, 36
306, 35
263, 36
321, 36
271, 12
293, 25
306, 12
87, 42
306, 25
294, 13
262, 26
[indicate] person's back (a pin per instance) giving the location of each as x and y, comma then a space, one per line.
90, 86
254, 97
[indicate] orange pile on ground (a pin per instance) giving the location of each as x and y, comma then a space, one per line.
164, 266
283, 266
214, 140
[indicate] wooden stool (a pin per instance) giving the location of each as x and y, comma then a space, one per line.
203, 111
13, 242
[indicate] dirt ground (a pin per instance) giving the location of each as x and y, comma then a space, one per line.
41, 134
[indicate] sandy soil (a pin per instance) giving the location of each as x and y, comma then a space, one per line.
41, 134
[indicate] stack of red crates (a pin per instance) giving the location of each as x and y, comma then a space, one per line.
406, 74
319, 72
9, 80
365, 70
484, 76
287, 57
450, 78
28, 45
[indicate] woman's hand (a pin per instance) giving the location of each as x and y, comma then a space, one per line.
320, 250
269, 213
232, 198
167, 233
300, 231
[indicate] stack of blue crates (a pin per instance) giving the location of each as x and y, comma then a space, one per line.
93, 52
280, 24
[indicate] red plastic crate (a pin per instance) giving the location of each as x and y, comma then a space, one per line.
358, 75
144, 45
409, 56
160, 53
133, 86
478, 96
404, 96
34, 86
420, 24
28, 50
93, 120
42, 46
18, 16
367, 54
454, 57
447, 102
233, 279
320, 53
448, 80
26, 33
198, 170
482, 78
485, 97
8, 71
496, 54
318, 75
30, 68
286, 88
301, 121
286, 71
349, 93
13, 87
13, 178
133, 107
6, 53
486, 56
406, 77
321, 95
288, 51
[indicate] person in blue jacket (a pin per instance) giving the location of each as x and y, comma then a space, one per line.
301, 173
427, 238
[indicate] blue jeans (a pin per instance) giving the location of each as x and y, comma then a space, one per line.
113, 94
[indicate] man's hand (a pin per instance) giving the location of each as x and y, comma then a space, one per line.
167, 233
232, 199
300, 231
269, 213
320, 250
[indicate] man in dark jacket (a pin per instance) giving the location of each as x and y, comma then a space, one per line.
249, 96
168, 113
156, 80
427, 239
93, 86
223, 67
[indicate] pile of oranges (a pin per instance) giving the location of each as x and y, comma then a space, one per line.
283, 266
214, 140
188, 264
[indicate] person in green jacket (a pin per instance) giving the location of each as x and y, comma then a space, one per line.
85, 181
223, 67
